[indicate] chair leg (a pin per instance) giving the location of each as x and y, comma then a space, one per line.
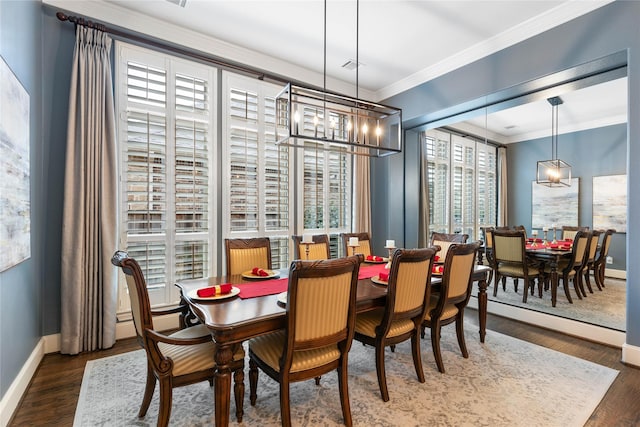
317, 380
380, 370
435, 344
515, 285
343, 386
504, 283
253, 381
148, 391
417, 357
460, 333
498, 278
164, 413
285, 409
594, 271
565, 286
576, 286
598, 275
525, 292
238, 391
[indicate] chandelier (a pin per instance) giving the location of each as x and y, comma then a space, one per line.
554, 172
309, 117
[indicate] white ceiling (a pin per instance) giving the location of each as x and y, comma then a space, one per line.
400, 43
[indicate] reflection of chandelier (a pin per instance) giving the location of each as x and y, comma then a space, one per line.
320, 119
554, 172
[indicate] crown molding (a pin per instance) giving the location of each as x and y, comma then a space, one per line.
561, 14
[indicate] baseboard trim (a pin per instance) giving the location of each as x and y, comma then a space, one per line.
616, 274
568, 326
11, 398
631, 354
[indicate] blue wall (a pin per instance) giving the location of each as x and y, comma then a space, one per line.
590, 153
605, 31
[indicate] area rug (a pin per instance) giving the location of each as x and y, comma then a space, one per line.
505, 382
605, 308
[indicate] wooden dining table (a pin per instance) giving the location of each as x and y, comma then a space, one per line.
551, 257
235, 320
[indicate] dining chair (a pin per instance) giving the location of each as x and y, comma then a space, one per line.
589, 262
364, 240
487, 238
401, 318
569, 269
510, 260
173, 360
601, 260
444, 240
319, 328
448, 305
245, 254
319, 249
569, 231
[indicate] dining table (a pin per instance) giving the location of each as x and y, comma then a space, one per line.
254, 308
551, 254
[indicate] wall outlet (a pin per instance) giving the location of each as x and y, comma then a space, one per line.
609, 260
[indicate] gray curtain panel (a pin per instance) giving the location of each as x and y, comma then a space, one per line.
362, 194
89, 281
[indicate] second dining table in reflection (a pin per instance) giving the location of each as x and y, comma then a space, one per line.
249, 314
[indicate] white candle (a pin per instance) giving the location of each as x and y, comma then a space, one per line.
534, 232
353, 241
545, 228
307, 238
390, 244
553, 226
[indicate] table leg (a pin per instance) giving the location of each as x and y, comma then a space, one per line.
482, 306
222, 383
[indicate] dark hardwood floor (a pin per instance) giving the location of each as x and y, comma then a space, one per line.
53, 394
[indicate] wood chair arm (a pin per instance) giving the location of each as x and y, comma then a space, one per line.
170, 310
161, 338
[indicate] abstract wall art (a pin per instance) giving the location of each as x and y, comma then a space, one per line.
610, 202
554, 205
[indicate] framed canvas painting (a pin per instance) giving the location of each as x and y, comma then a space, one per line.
554, 205
610, 202
15, 201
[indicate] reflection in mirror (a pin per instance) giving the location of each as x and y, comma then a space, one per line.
592, 138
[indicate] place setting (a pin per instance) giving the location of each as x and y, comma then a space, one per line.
213, 293
257, 273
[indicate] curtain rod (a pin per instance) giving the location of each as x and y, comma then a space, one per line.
261, 75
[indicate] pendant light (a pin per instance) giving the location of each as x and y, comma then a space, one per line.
554, 172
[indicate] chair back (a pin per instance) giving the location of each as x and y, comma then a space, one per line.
137, 287
364, 240
487, 236
508, 246
569, 231
521, 228
408, 286
604, 247
445, 240
321, 303
580, 246
457, 278
319, 249
593, 246
244, 254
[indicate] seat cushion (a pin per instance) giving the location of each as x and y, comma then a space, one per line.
512, 270
450, 310
367, 322
193, 358
269, 348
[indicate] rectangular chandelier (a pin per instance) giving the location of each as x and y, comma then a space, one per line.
313, 118
554, 173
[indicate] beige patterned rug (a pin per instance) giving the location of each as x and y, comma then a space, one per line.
505, 382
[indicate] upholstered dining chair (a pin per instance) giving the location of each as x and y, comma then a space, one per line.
570, 269
510, 260
244, 254
319, 328
178, 359
448, 305
487, 238
444, 240
601, 260
401, 318
319, 249
364, 240
589, 261
569, 231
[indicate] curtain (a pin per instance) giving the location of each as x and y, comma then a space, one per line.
89, 281
423, 218
362, 195
502, 187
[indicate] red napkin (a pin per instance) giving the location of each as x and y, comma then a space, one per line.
553, 245
212, 291
437, 269
384, 277
568, 240
436, 258
374, 258
257, 271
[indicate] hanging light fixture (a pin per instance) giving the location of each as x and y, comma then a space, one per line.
308, 117
554, 172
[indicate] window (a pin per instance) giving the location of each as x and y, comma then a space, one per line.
462, 183
165, 129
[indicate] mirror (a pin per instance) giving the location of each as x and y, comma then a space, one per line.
592, 138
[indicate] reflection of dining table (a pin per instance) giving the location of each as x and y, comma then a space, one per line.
551, 257
234, 320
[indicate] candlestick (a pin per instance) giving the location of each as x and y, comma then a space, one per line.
353, 241
390, 245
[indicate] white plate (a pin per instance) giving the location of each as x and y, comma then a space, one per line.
193, 294
376, 262
248, 275
376, 279
282, 297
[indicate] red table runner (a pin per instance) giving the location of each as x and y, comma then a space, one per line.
262, 288
371, 270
